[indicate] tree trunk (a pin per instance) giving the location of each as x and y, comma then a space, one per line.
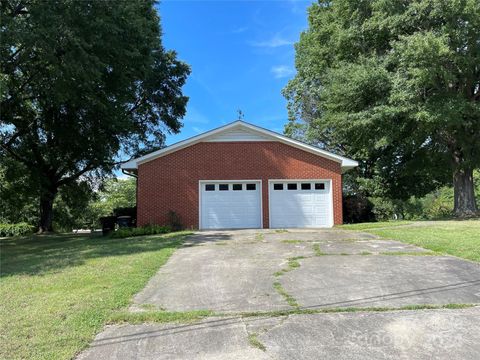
464, 193
46, 211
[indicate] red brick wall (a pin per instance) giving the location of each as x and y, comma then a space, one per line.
171, 182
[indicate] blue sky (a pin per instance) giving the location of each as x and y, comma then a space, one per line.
241, 54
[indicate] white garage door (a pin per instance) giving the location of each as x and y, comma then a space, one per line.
295, 204
230, 205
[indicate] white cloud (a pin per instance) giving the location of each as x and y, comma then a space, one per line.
198, 130
240, 30
194, 116
276, 41
282, 71
295, 8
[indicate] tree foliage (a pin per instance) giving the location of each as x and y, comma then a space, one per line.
80, 207
396, 85
71, 208
81, 83
76, 206
115, 193
20, 198
18, 194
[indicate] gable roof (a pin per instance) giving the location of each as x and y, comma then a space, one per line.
251, 133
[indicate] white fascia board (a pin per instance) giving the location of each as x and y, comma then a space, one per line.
129, 165
346, 163
345, 168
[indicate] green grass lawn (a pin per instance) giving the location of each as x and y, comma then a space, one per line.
457, 238
374, 225
57, 292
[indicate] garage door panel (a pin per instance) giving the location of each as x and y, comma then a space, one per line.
222, 209
309, 207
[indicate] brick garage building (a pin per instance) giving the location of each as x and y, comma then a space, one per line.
240, 176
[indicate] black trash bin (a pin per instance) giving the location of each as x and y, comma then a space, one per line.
108, 224
127, 211
124, 221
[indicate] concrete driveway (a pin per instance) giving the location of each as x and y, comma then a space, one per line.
234, 272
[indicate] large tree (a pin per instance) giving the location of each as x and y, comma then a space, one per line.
396, 85
83, 84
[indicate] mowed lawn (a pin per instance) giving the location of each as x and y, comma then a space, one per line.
57, 292
454, 237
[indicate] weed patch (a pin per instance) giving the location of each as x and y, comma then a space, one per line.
317, 250
288, 298
254, 342
259, 236
300, 311
291, 241
292, 264
122, 317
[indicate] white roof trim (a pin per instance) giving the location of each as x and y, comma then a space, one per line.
346, 163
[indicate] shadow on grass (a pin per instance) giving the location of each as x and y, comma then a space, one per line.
35, 255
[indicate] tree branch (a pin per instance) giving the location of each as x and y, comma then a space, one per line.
19, 9
76, 175
16, 156
13, 138
137, 104
12, 56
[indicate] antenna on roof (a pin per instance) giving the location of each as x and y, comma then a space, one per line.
241, 115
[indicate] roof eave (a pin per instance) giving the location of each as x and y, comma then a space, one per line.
129, 165
346, 164
346, 168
